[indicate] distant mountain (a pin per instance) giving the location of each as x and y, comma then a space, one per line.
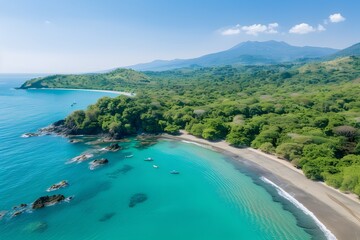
246, 53
353, 50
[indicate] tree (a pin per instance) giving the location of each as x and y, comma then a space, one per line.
289, 151
172, 129
347, 131
267, 147
197, 129
269, 135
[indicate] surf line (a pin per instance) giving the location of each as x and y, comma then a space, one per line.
328, 234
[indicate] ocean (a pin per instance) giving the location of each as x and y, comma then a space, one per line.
213, 197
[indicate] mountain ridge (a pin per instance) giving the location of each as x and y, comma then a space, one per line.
245, 53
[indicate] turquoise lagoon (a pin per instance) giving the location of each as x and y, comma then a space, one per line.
213, 197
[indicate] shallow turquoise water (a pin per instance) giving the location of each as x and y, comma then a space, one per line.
212, 198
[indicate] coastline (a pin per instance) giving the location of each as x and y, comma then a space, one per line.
339, 212
87, 90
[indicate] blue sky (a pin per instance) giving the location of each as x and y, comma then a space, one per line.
63, 36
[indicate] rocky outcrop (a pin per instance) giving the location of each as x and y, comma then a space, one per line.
18, 210
81, 158
97, 163
17, 213
113, 147
23, 205
58, 128
57, 186
44, 201
27, 135
137, 198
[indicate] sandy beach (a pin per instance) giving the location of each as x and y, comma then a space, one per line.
339, 212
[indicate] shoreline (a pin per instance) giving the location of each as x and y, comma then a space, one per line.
86, 90
339, 212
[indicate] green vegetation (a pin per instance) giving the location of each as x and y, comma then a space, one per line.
114, 80
307, 114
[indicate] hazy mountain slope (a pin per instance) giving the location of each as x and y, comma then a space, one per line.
246, 53
353, 50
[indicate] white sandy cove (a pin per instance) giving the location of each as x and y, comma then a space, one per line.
339, 212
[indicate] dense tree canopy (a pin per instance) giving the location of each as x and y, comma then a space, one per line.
307, 114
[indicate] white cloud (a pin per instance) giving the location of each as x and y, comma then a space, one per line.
47, 22
336, 18
254, 29
321, 28
231, 31
272, 27
302, 28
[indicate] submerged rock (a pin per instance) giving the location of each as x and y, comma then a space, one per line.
126, 168
47, 200
106, 217
2, 214
37, 226
57, 186
113, 147
137, 198
97, 163
144, 141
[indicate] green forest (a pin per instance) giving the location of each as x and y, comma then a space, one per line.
308, 114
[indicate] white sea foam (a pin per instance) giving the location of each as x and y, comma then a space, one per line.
329, 235
195, 143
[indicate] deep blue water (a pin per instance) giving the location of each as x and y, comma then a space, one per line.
211, 198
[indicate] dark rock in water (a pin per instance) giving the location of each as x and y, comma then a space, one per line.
107, 217
113, 147
47, 200
74, 140
59, 128
27, 135
23, 205
57, 186
98, 162
81, 158
17, 213
137, 198
18, 210
38, 227
123, 170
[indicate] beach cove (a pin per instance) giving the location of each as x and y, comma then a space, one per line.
337, 211
211, 198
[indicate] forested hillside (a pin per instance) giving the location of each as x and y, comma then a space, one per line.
307, 114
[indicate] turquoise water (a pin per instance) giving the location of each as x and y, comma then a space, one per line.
213, 197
